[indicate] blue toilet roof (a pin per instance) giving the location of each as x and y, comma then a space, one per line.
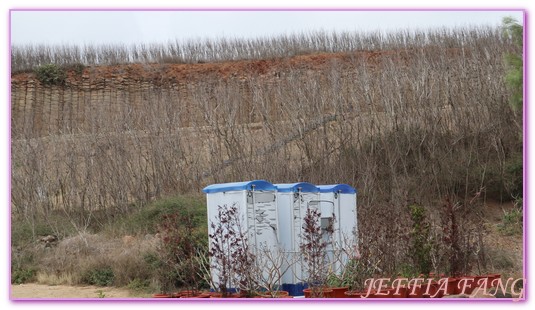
305, 187
337, 188
259, 185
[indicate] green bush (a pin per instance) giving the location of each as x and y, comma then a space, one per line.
152, 260
99, 276
354, 274
514, 168
22, 232
51, 74
181, 242
138, 285
512, 222
420, 248
514, 77
19, 276
408, 271
23, 264
147, 219
181, 224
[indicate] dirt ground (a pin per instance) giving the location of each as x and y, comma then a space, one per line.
32, 290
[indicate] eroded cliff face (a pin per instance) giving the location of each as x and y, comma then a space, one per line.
115, 135
123, 97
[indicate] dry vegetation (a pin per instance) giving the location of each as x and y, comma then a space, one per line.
28, 57
405, 118
85, 255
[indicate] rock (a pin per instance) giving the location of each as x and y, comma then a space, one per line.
49, 240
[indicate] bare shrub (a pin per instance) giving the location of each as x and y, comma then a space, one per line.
231, 258
313, 248
271, 264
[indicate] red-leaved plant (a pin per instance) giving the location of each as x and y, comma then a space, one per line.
313, 248
230, 253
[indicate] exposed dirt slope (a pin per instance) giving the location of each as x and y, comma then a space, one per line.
163, 73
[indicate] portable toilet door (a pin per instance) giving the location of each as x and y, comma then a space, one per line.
293, 199
341, 200
257, 211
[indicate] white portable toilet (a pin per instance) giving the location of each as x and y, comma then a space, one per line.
341, 201
257, 208
293, 199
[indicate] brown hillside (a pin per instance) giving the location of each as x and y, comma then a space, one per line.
269, 68
401, 125
112, 91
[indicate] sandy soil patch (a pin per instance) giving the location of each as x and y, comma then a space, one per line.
32, 290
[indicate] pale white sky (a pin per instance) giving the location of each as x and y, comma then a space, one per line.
83, 27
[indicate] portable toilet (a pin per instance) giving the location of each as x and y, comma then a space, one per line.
341, 201
293, 199
257, 210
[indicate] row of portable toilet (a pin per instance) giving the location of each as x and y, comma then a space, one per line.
273, 216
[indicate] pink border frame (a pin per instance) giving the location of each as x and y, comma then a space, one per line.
302, 300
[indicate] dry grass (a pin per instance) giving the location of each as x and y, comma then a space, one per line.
58, 279
70, 261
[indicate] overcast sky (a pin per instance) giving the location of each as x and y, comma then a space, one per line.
83, 27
